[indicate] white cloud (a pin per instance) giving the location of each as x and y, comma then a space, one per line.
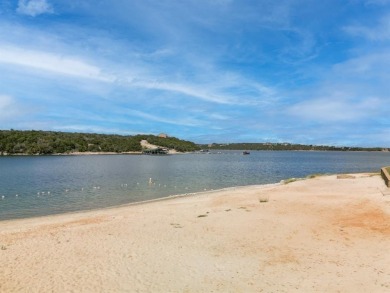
8, 108
227, 89
366, 75
91, 128
51, 62
175, 121
140, 76
380, 32
218, 116
5, 101
335, 109
187, 90
34, 7
378, 2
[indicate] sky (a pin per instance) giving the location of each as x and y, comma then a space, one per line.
298, 71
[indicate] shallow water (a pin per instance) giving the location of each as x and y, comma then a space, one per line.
43, 185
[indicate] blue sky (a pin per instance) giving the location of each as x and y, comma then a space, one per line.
301, 71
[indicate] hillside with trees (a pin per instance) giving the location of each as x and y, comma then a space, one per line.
33, 142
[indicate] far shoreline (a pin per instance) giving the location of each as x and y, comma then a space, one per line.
177, 153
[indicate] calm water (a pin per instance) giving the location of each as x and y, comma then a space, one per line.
35, 186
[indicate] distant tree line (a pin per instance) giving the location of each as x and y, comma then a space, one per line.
49, 142
283, 147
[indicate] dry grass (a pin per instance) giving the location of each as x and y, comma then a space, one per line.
345, 176
263, 199
290, 180
315, 175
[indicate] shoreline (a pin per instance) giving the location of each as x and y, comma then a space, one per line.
325, 234
89, 154
192, 194
173, 152
71, 154
160, 199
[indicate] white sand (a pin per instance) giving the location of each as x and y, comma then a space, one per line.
318, 235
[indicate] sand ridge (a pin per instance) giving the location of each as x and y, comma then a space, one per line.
325, 234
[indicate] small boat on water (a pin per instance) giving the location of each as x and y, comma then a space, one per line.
245, 152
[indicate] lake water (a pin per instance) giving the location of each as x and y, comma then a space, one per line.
42, 185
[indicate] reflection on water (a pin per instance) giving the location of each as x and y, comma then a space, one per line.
34, 186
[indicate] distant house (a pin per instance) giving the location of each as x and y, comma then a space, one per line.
156, 151
163, 135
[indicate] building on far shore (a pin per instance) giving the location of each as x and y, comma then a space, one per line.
156, 151
163, 135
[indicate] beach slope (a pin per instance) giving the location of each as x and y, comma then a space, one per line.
326, 234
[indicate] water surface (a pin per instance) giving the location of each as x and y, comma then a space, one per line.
43, 185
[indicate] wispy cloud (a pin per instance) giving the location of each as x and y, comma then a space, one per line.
378, 2
366, 67
50, 62
95, 129
137, 73
334, 109
354, 91
377, 32
174, 120
187, 90
34, 7
5, 105
10, 110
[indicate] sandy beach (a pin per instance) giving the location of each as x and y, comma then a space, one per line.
326, 234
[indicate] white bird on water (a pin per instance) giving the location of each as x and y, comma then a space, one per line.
2, 197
